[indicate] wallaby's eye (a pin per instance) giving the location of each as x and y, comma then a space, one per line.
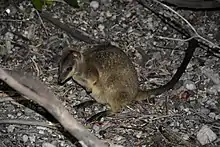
69, 69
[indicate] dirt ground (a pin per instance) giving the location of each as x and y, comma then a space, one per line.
31, 44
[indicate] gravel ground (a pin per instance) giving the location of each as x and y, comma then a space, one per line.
177, 118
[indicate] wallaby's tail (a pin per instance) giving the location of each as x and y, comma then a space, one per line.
143, 95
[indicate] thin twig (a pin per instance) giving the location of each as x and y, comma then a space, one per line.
159, 117
29, 122
11, 20
36, 67
175, 39
41, 21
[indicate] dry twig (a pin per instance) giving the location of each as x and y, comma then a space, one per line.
28, 122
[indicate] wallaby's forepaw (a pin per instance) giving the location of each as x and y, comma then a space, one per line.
98, 116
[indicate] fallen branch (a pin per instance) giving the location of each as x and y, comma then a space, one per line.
33, 89
79, 35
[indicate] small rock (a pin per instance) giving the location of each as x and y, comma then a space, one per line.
11, 10
206, 135
128, 14
212, 115
50, 78
108, 14
94, 4
203, 111
47, 144
8, 11
19, 114
10, 128
25, 138
41, 132
164, 28
190, 85
101, 27
34, 57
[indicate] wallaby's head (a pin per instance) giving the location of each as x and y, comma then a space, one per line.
69, 65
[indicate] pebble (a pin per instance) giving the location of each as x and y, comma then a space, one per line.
190, 85
41, 132
204, 111
108, 14
50, 78
19, 114
25, 138
94, 4
101, 27
212, 115
10, 128
8, 11
206, 135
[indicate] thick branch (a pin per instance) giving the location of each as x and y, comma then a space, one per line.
36, 91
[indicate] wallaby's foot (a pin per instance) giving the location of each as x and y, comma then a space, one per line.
85, 104
99, 115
